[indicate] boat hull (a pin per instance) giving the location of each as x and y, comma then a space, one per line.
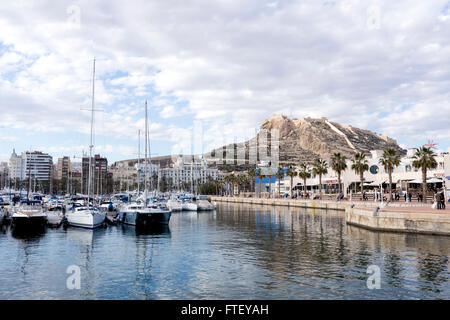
190, 207
29, 222
86, 220
54, 219
133, 218
174, 206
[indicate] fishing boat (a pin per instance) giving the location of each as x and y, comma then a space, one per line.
29, 214
88, 215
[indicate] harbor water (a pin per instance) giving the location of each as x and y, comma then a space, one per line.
235, 252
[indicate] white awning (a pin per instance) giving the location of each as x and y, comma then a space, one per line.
429, 180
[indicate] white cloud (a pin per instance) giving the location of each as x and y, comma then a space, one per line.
233, 63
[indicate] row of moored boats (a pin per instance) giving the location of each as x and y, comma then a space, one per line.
91, 213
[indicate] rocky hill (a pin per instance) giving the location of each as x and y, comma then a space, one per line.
304, 140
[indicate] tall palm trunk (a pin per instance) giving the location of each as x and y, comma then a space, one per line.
361, 179
292, 189
304, 186
424, 184
320, 186
339, 181
390, 183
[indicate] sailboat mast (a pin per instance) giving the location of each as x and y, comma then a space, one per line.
146, 151
29, 177
150, 156
91, 146
139, 162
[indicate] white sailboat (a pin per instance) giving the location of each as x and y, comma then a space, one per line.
88, 216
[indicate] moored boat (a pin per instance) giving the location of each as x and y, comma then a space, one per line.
55, 216
204, 205
137, 214
29, 214
174, 205
189, 206
86, 217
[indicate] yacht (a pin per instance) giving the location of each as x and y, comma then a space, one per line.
89, 217
29, 214
204, 205
189, 205
138, 214
174, 205
55, 215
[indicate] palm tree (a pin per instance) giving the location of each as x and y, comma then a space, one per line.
260, 176
389, 160
252, 174
279, 175
424, 159
290, 172
338, 165
320, 167
304, 173
360, 165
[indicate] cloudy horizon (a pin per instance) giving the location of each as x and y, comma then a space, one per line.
228, 65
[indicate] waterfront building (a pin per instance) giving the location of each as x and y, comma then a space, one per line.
166, 174
187, 170
36, 163
4, 175
99, 173
15, 166
63, 168
404, 177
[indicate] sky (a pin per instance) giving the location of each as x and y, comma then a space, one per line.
216, 69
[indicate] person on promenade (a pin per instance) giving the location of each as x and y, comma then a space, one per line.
437, 200
410, 196
442, 199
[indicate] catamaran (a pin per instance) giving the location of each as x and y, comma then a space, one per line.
88, 216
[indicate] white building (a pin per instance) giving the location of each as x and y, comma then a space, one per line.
37, 164
15, 166
403, 176
185, 170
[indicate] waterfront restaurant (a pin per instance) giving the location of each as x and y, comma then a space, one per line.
404, 177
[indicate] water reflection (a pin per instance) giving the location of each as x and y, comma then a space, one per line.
236, 252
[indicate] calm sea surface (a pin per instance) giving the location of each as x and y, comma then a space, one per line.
237, 252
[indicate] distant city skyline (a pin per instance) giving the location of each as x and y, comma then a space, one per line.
229, 65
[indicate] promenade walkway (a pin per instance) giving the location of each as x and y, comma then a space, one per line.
396, 216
